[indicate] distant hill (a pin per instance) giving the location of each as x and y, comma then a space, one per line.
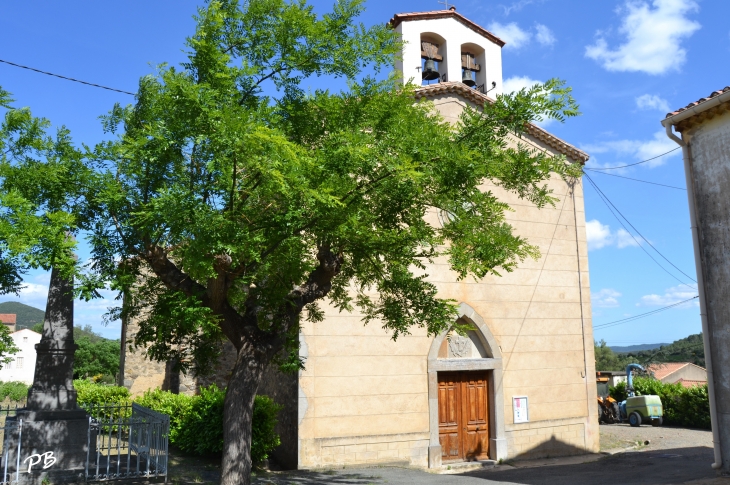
635, 348
689, 349
27, 316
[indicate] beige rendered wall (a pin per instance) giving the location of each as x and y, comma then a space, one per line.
364, 398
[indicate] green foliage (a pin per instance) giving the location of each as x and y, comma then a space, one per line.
177, 406
607, 359
683, 406
264, 439
7, 345
42, 182
196, 422
100, 358
13, 391
26, 315
689, 349
93, 397
201, 432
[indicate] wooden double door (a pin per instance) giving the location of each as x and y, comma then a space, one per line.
463, 401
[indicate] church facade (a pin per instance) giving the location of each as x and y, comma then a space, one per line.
520, 384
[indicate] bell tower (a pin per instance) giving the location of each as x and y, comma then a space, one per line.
445, 46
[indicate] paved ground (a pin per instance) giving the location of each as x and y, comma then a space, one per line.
673, 456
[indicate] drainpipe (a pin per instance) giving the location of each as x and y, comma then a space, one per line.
687, 156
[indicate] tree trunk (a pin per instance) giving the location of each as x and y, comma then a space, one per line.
237, 417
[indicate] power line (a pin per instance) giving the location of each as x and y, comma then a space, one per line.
611, 208
638, 163
636, 180
67, 78
641, 315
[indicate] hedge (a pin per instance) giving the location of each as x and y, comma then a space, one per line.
683, 406
196, 422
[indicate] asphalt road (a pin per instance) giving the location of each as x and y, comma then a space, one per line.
674, 456
657, 467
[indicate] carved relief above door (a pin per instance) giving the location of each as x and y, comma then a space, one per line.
463, 410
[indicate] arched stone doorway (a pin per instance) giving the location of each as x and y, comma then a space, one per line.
476, 362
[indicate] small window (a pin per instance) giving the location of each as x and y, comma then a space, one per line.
25, 340
18, 362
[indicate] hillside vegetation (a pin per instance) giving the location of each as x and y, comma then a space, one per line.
27, 316
689, 349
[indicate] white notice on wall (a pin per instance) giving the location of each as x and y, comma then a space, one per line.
519, 408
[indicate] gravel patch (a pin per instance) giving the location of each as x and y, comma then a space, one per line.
617, 436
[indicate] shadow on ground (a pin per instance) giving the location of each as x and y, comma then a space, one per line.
660, 467
342, 477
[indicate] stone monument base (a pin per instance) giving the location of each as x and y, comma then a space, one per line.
53, 444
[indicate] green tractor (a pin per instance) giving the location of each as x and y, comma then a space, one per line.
640, 409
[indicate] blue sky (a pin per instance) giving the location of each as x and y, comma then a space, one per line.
629, 62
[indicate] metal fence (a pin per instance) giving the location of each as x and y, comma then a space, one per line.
126, 442
11, 430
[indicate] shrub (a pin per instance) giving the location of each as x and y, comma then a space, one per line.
264, 439
201, 430
682, 406
196, 422
176, 406
13, 390
93, 397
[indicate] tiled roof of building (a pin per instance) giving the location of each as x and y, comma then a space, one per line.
441, 14
689, 383
480, 99
661, 371
7, 318
700, 101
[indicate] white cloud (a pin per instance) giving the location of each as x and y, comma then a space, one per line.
516, 6
624, 239
511, 33
515, 83
606, 298
544, 35
600, 236
638, 149
652, 102
671, 296
652, 37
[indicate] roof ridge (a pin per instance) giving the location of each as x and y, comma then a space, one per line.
480, 98
436, 14
699, 101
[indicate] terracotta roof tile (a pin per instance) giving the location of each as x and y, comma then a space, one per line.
661, 371
7, 318
480, 98
700, 101
440, 14
689, 383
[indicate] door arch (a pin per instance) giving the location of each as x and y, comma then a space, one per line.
489, 360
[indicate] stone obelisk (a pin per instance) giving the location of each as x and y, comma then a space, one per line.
52, 420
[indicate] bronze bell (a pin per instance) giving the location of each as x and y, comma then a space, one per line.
466, 78
429, 70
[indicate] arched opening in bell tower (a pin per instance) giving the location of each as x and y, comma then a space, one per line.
434, 61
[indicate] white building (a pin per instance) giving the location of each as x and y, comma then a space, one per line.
22, 366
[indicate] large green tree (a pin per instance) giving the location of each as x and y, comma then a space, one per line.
42, 179
236, 212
